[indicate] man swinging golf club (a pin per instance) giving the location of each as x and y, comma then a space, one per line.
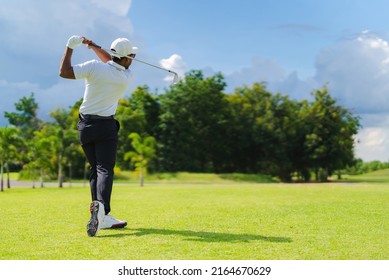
105, 83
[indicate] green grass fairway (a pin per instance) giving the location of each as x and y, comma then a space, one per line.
201, 222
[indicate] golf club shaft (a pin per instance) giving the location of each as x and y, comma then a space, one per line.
152, 65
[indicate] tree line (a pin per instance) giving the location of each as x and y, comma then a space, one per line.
195, 126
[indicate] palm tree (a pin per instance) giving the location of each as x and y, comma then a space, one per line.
40, 153
144, 151
66, 137
10, 141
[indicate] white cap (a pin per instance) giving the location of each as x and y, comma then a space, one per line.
122, 47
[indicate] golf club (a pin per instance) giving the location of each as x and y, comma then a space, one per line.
175, 75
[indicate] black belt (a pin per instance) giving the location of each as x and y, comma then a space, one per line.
95, 117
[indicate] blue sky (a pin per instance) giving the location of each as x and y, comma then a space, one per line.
294, 46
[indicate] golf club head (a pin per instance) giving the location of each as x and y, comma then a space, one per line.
175, 78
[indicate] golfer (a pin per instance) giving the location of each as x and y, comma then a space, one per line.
105, 83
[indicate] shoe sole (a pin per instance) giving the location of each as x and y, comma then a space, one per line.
93, 224
121, 225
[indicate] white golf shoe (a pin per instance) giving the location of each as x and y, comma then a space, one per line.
111, 222
97, 216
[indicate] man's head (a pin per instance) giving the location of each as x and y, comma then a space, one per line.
122, 48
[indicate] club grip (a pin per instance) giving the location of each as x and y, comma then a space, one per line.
95, 45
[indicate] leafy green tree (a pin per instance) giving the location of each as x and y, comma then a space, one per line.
144, 151
284, 138
147, 104
139, 113
251, 127
329, 143
26, 116
275, 135
192, 127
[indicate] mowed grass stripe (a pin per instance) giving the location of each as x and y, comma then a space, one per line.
192, 222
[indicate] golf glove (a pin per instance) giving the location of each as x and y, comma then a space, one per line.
74, 41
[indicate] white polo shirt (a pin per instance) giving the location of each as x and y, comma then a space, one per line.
105, 84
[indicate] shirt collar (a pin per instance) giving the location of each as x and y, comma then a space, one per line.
117, 66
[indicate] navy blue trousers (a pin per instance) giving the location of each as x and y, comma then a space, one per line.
99, 138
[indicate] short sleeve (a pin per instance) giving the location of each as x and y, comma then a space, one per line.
83, 70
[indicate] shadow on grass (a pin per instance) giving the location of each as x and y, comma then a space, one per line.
200, 236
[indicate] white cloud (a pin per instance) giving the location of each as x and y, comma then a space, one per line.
43, 26
175, 63
357, 73
274, 76
373, 143
261, 70
372, 137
